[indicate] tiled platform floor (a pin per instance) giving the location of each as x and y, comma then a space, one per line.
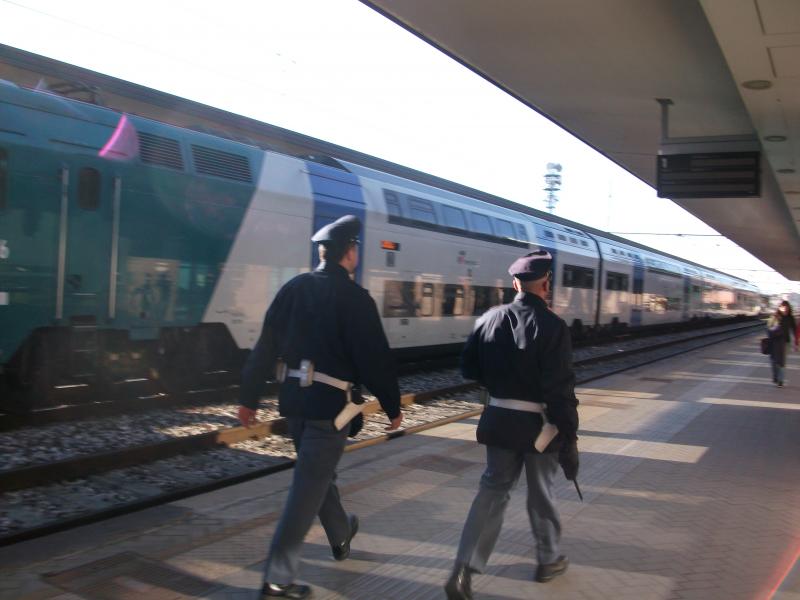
690, 471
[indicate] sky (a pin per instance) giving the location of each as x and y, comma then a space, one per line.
338, 71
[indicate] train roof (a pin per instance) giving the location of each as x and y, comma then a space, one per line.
163, 106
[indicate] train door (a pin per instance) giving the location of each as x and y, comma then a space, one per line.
336, 193
88, 220
638, 291
551, 294
427, 304
687, 295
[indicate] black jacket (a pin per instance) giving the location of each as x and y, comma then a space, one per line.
329, 319
523, 351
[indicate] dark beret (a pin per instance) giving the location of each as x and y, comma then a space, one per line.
339, 233
532, 266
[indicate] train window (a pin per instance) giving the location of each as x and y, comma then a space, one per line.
3, 179
398, 299
481, 224
89, 188
584, 243
504, 228
578, 277
453, 301
454, 217
562, 237
614, 250
521, 233
392, 204
616, 281
572, 240
422, 210
548, 234
483, 299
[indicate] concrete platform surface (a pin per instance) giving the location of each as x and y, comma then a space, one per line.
690, 470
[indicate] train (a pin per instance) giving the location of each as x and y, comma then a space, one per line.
138, 255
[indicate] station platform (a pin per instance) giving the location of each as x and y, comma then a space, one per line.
690, 469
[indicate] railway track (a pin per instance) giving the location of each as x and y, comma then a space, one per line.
588, 368
126, 406
129, 405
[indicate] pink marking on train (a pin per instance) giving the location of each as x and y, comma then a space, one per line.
122, 143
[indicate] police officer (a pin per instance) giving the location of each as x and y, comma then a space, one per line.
521, 352
321, 336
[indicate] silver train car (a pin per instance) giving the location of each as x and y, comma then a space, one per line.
435, 260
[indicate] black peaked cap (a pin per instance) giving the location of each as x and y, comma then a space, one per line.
339, 233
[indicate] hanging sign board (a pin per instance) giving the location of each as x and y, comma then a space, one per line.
709, 175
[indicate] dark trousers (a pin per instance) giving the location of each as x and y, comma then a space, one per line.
503, 468
319, 447
778, 356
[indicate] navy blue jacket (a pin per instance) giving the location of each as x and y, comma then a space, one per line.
523, 351
329, 319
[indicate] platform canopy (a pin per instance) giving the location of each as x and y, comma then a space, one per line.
730, 68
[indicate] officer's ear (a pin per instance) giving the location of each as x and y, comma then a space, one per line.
517, 285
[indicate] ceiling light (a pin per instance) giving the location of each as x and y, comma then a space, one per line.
785, 170
757, 84
775, 138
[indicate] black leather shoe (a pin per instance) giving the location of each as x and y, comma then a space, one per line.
545, 573
459, 586
289, 590
342, 551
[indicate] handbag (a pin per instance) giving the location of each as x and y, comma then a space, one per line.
766, 345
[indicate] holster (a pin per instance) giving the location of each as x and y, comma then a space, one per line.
546, 435
306, 375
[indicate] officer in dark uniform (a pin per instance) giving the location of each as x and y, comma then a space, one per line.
522, 353
321, 337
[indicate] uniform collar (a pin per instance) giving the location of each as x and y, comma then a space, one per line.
333, 269
530, 299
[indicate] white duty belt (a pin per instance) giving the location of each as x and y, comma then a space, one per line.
548, 432
308, 376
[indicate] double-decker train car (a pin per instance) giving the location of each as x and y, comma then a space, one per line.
136, 255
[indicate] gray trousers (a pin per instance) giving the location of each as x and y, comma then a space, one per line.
503, 468
319, 447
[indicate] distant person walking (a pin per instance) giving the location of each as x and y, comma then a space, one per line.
781, 326
522, 353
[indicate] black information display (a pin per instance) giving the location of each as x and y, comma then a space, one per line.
709, 175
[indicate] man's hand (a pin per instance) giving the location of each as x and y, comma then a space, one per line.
247, 416
394, 423
568, 459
